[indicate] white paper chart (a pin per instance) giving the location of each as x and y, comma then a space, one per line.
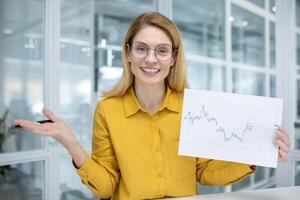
231, 127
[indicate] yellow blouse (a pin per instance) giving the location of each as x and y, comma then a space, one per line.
134, 154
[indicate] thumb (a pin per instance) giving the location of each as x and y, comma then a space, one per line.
50, 115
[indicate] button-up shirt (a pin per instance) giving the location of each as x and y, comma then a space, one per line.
135, 154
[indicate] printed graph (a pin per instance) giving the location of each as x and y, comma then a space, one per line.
225, 126
226, 135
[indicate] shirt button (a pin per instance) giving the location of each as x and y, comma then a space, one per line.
159, 175
157, 149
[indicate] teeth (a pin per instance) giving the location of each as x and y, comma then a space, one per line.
150, 70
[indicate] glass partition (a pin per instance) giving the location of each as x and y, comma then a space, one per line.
21, 71
247, 37
22, 181
298, 13
272, 6
70, 185
260, 3
206, 76
202, 27
112, 20
297, 172
247, 82
272, 46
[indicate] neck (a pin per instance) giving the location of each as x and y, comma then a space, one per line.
150, 96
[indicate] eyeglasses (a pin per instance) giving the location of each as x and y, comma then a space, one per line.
162, 52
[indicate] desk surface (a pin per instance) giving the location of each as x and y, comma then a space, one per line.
284, 193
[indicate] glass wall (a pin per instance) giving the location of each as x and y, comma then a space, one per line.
260, 3
76, 67
272, 6
111, 27
21, 70
22, 181
297, 122
70, 185
297, 172
203, 28
201, 24
91, 35
21, 95
297, 12
247, 82
206, 76
247, 39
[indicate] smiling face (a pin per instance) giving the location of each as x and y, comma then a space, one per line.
149, 56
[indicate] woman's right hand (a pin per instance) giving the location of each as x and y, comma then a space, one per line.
59, 130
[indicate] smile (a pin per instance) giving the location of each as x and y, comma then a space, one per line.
150, 70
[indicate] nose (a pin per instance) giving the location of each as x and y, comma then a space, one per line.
151, 57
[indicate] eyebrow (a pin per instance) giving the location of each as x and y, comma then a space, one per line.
156, 45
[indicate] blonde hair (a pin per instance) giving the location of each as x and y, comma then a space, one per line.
177, 77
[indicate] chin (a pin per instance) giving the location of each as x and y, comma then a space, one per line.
152, 82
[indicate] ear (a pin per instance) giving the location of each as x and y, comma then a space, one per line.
173, 60
128, 53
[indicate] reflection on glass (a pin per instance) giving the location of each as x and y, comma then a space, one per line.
272, 46
259, 174
70, 185
207, 189
112, 19
21, 70
76, 70
297, 134
116, 60
297, 173
247, 37
272, 6
201, 24
273, 86
206, 76
260, 3
246, 82
297, 123
241, 185
298, 12
298, 99
298, 49
272, 173
22, 181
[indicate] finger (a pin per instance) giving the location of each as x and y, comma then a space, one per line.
280, 128
283, 156
50, 115
282, 135
25, 123
282, 145
31, 126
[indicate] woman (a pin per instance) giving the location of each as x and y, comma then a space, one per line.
136, 126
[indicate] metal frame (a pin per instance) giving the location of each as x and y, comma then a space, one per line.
285, 46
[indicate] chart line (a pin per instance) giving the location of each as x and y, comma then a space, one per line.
190, 118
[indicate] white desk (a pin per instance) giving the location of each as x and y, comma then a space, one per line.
285, 193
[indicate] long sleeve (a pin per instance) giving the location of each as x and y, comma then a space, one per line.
217, 172
100, 172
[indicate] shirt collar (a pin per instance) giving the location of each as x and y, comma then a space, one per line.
132, 105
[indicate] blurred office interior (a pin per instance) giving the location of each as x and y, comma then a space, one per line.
62, 53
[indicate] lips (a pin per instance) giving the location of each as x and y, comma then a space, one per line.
150, 70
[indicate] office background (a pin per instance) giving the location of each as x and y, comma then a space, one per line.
62, 53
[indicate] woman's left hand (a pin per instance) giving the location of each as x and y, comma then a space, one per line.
283, 141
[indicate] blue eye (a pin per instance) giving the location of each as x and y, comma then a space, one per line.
163, 51
141, 49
